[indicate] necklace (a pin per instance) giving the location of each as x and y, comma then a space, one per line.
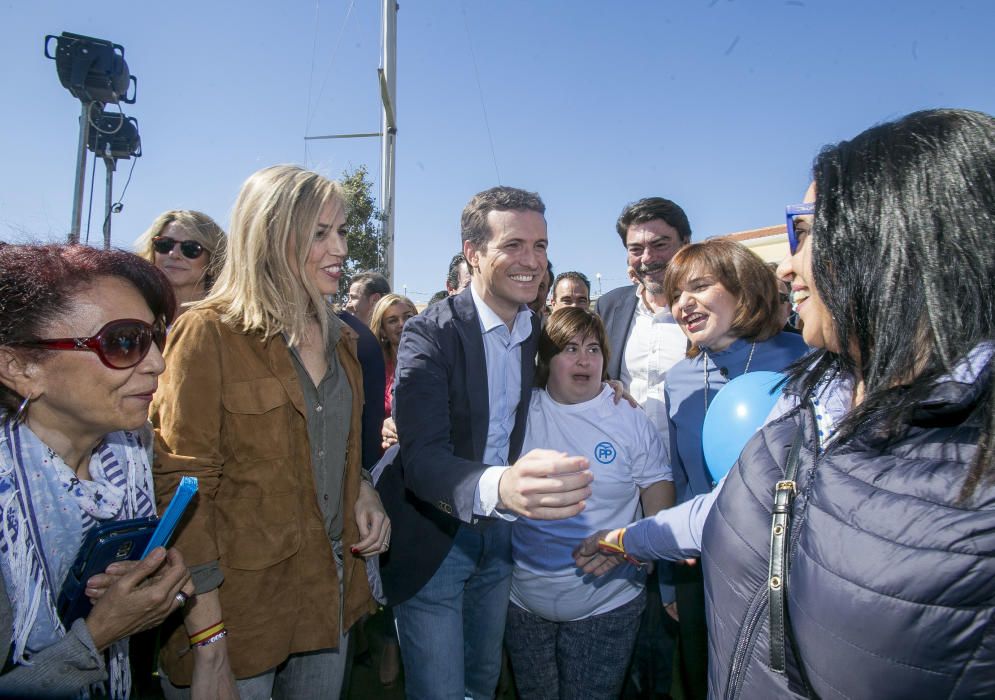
745, 369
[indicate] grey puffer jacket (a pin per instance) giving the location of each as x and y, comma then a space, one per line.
891, 591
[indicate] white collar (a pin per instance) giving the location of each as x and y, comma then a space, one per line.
489, 320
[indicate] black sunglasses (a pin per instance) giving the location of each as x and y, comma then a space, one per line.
164, 245
119, 344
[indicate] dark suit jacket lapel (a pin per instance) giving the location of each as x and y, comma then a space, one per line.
618, 331
468, 326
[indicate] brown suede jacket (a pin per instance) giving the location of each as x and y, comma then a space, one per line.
230, 411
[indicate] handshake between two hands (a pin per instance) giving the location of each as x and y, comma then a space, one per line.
551, 485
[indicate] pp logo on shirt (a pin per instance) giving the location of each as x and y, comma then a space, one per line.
604, 452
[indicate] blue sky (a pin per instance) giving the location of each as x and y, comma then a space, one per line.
717, 104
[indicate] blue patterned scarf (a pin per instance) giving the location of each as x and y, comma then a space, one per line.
45, 513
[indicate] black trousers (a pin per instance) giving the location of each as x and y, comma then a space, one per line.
693, 631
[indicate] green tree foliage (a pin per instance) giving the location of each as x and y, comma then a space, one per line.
367, 244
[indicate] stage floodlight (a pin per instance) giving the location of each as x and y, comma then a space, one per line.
113, 135
93, 70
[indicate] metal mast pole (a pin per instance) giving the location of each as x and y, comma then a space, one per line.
108, 198
84, 125
388, 129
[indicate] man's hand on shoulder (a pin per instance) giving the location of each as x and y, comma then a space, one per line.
546, 485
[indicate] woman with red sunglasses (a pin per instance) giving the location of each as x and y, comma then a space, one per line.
81, 332
189, 247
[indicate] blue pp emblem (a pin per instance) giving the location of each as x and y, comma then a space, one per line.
604, 452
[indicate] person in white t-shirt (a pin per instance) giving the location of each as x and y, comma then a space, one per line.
570, 635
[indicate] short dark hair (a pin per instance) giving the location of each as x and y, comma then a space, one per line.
372, 282
452, 277
473, 223
39, 282
572, 275
651, 208
562, 325
437, 297
746, 277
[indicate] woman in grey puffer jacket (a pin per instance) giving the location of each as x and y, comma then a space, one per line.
888, 514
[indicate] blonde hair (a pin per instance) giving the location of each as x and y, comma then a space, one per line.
260, 288
376, 321
199, 227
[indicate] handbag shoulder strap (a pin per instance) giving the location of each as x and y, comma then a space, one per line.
780, 629
784, 495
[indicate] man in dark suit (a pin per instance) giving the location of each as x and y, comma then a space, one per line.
645, 342
465, 370
371, 360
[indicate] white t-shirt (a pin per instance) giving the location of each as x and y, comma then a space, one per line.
625, 453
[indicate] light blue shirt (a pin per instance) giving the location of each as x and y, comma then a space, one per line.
503, 358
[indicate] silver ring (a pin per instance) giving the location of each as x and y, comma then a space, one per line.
181, 598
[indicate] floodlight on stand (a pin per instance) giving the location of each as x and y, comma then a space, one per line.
113, 135
93, 70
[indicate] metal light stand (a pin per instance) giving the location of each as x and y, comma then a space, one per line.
95, 72
84, 125
112, 137
111, 163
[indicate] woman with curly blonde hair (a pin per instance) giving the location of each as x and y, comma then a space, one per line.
189, 247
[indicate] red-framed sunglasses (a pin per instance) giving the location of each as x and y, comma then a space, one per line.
163, 245
120, 344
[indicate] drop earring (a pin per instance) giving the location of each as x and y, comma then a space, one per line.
22, 410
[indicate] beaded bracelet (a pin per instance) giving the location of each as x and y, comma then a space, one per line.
211, 640
197, 637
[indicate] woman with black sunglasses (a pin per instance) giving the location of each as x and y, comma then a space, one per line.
189, 247
81, 332
848, 553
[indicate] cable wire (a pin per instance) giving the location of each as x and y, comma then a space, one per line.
310, 80
117, 206
335, 50
480, 92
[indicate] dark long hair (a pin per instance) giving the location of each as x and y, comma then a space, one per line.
903, 257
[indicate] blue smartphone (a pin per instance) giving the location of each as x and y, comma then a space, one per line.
169, 519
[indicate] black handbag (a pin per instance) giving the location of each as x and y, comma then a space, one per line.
105, 543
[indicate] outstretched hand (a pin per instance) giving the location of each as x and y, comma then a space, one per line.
546, 485
591, 559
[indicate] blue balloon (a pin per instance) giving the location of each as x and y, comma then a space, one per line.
734, 415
